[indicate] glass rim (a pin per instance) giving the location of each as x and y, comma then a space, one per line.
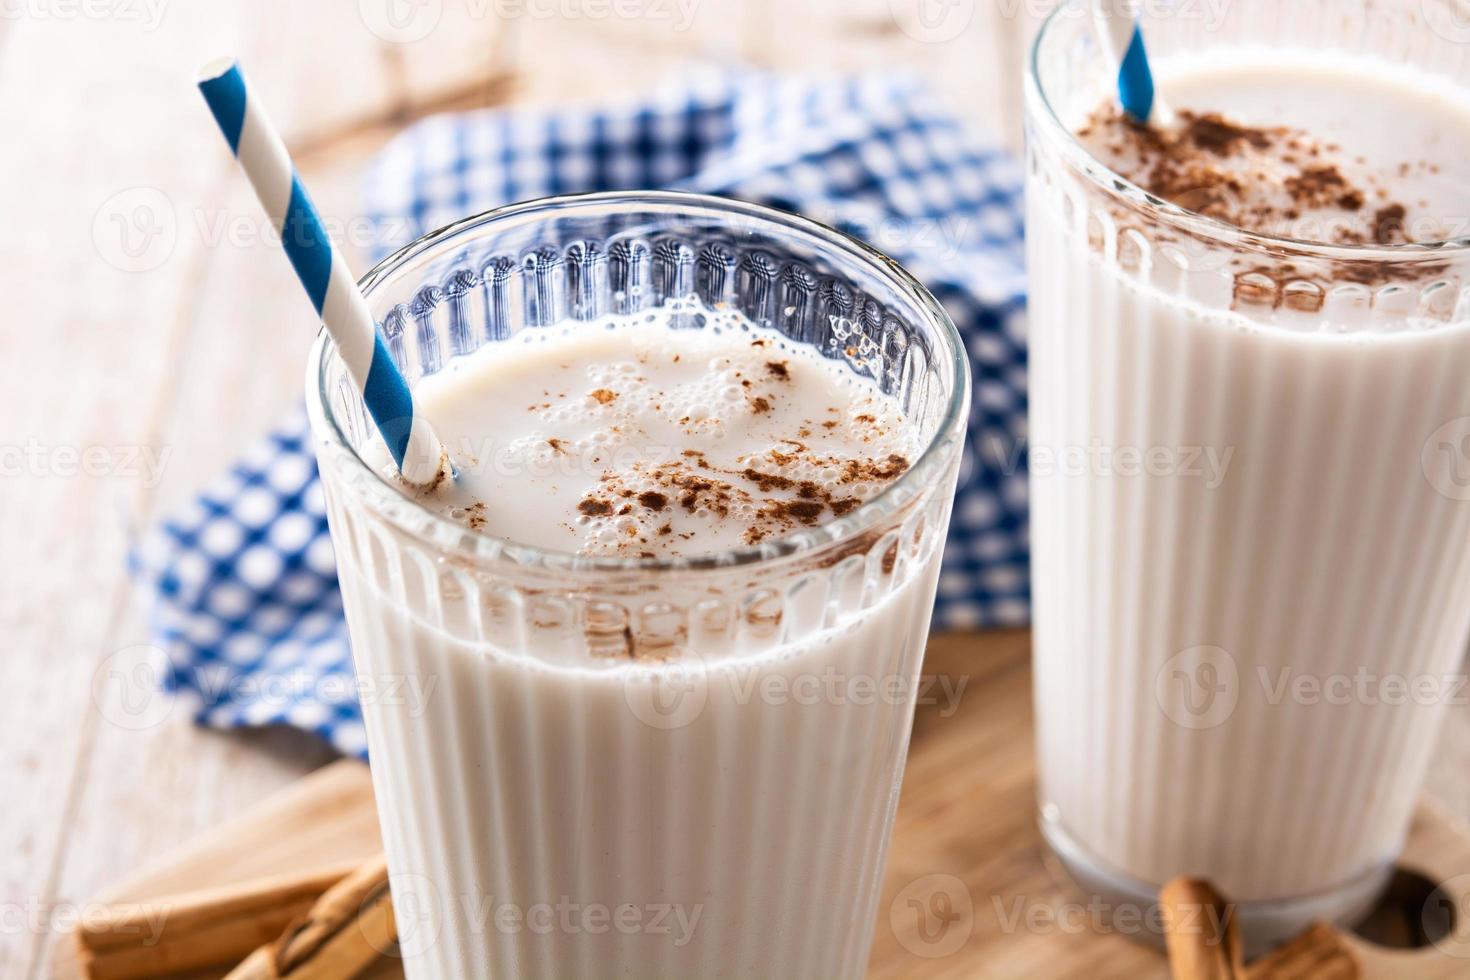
454, 535
1101, 176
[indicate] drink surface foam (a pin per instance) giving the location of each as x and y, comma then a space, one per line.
1347, 151
646, 439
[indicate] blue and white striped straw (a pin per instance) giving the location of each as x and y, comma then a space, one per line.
1121, 38
323, 272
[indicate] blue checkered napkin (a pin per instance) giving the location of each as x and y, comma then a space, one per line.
247, 605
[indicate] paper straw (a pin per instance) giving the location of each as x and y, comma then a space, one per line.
1121, 38
323, 272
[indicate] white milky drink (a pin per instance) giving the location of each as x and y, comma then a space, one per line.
1251, 535
735, 794
671, 698
648, 441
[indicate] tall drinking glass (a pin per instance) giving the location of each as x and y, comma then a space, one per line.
554, 807
1266, 435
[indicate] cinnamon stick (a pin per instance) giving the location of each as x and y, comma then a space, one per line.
346, 931
196, 930
1320, 953
1200, 932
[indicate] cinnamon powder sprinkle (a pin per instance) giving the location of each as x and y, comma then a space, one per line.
1216, 134
1273, 180
771, 492
767, 481
1261, 178
890, 467
805, 511
1388, 225
1323, 186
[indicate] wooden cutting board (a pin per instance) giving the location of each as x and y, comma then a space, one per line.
970, 890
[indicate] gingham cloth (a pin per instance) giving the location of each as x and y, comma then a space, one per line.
247, 609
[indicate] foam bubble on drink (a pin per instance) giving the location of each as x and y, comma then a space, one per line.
653, 439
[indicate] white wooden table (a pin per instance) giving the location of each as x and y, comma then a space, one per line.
145, 313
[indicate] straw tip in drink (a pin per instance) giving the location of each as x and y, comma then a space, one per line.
216, 68
430, 468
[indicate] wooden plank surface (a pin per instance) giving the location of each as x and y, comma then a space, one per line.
969, 889
133, 326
